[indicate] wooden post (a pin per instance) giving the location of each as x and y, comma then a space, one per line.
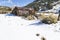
59, 16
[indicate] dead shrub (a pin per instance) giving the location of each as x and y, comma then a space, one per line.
54, 18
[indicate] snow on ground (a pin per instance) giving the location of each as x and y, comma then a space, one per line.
16, 28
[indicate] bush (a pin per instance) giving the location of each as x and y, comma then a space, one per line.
49, 20
54, 18
48, 17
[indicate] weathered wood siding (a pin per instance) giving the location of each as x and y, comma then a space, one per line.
19, 11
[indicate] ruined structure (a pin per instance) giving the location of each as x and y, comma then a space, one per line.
20, 11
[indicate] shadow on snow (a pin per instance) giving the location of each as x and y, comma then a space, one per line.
37, 23
10, 15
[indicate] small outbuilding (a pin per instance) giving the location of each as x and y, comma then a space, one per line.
20, 11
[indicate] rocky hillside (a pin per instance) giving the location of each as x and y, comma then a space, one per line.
44, 4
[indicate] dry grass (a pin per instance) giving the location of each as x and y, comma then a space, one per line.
31, 17
49, 18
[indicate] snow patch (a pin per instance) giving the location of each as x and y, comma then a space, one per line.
16, 28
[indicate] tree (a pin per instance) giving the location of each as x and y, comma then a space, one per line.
36, 7
37, 0
48, 5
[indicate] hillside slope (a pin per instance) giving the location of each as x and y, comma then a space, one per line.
4, 9
45, 4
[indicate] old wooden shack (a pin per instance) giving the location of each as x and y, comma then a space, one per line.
20, 11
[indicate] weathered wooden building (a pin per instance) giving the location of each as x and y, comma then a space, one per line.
20, 11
